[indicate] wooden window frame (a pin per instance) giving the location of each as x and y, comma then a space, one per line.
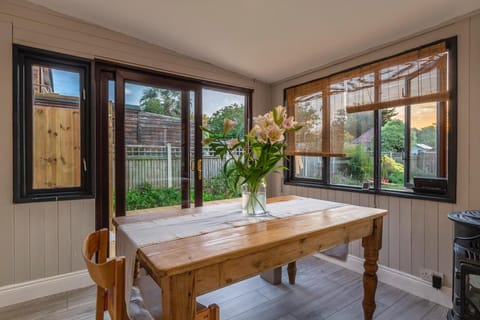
23, 190
446, 163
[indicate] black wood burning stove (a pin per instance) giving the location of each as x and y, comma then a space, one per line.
466, 268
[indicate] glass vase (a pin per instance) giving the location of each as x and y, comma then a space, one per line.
254, 199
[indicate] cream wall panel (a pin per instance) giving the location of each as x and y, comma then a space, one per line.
418, 236
22, 243
431, 235
51, 239
474, 116
405, 236
37, 241
6, 211
83, 222
6, 244
445, 242
384, 253
64, 239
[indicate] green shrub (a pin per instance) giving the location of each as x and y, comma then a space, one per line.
392, 170
360, 166
147, 197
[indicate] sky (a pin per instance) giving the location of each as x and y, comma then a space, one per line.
66, 83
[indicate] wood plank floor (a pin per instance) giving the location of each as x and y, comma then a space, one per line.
323, 291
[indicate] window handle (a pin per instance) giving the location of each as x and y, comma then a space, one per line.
84, 165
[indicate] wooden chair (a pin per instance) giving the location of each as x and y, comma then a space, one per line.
109, 275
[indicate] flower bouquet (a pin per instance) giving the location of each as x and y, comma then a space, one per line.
249, 160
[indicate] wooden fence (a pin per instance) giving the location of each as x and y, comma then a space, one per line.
160, 166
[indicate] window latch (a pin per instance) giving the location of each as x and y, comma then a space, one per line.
84, 94
84, 165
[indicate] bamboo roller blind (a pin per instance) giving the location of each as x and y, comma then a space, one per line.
418, 76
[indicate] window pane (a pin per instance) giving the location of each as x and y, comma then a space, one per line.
218, 105
56, 128
153, 146
393, 148
423, 137
357, 167
308, 167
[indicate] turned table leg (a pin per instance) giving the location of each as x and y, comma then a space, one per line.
292, 272
372, 244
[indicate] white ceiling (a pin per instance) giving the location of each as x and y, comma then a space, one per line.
267, 40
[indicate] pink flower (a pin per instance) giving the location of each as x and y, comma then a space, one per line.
275, 134
227, 125
289, 123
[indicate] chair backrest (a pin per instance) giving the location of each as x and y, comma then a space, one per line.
109, 275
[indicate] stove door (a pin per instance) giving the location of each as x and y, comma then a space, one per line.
470, 291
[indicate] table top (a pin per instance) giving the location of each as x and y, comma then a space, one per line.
190, 253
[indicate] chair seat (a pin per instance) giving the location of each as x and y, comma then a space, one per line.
145, 301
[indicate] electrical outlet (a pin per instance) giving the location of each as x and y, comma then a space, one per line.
427, 275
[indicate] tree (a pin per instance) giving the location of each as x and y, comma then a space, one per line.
428, 136
393, 136
233, 112
161, 101
388, 115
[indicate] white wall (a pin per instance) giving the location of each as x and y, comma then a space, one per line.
43, 239
417, 233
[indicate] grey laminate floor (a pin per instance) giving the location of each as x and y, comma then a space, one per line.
323, 291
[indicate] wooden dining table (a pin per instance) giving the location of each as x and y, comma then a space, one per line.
187, 267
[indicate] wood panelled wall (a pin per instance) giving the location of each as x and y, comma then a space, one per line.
43, 239
417, 233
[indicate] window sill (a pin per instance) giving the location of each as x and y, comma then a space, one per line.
401, 194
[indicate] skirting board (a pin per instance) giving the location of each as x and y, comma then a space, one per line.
398, 279
26, 291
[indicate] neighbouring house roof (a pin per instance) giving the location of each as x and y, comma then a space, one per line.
365, 138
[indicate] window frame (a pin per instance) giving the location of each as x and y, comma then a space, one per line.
23, 191
451, 136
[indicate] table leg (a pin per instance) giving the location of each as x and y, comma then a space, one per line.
178, 298
372, 244
292, 272
273, 276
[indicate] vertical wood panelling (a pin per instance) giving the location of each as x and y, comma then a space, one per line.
355, 245
6, 244
37, 241
431, 235
83, 222
394, 231
64, 237
445, 242
418, 236
51, 239
474, 117
405, 235
22, 242
382, 202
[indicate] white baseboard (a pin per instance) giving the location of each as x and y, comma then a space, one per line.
398, 279
26, 291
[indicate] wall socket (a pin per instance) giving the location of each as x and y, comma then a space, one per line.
427, 275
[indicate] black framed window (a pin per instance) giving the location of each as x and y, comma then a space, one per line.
384, 127
52, 117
